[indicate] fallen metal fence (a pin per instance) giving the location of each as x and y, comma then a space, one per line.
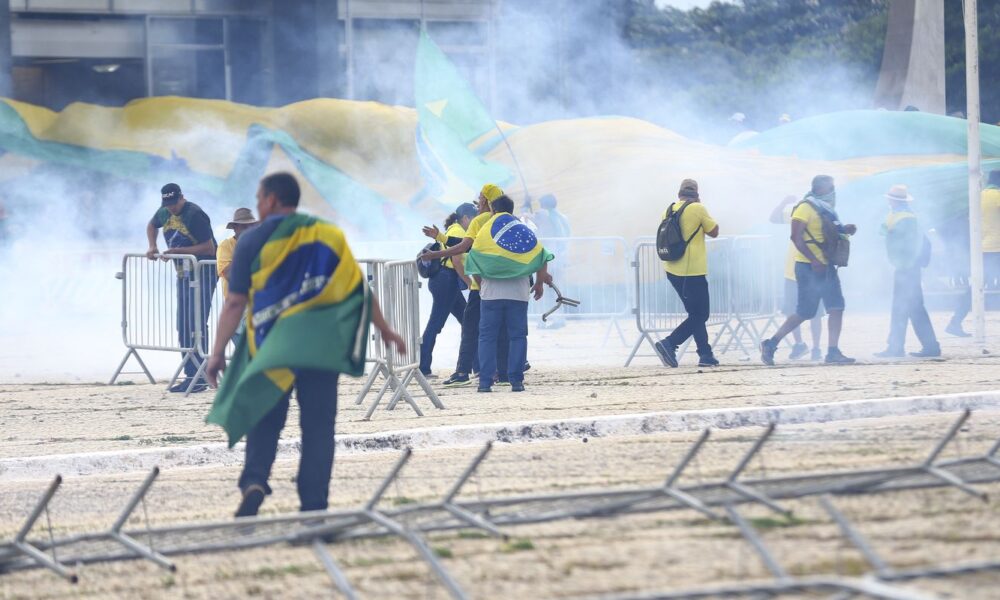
396, 285
154, 295
718, 499
744, 294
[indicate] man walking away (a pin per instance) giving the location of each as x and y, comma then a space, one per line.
688, 274
308, 310
909, 252
814, 220
505, 254
186, 230
990, 202
782, 215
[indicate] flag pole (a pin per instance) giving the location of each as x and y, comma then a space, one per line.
975, 170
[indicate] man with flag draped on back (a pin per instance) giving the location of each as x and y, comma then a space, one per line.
504, 257
308, 309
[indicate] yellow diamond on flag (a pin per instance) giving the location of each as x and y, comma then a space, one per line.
437, 107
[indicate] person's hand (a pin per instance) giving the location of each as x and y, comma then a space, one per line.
850, 229
467, 280
390, 337
216, 365
546, 278
432, 231
818, 267
152, 252
538, 289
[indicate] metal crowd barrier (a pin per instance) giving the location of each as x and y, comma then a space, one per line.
593, 270
151, 305
743, 291
396, 285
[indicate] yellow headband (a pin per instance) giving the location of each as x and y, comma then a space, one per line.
491, 192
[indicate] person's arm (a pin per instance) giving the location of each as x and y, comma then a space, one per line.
389, 336
455, 250
229, 320
714, 233
778, 214
201, 249
459, 263
151, 234
799, 239
708, 224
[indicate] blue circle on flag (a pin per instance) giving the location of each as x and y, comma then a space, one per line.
518, 238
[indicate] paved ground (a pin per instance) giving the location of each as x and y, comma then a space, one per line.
564, 559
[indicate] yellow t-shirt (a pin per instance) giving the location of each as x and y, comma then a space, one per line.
786, 215
224, 258
474, 226
695, 259
454, 231
805, 213
990, 201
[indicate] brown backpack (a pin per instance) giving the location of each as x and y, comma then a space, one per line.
836, 248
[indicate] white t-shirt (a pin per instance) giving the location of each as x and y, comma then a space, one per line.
518, 289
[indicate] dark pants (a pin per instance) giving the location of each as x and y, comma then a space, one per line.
693, 291
511, 317
447, 299
908, 306
187, 321
468, 352
317, 397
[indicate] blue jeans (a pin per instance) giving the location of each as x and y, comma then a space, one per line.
447, 299
497, 316
317, 396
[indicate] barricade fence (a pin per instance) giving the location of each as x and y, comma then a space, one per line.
743, 290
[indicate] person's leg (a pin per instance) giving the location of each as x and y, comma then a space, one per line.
900, 312
317, 396
442, 287
963, 305
468, 349
458, 302
788, 307
918, 316
491, 319
682, 332
503, 348
185, 320
261, 448
816, 329
700, 311
807, 303
517, 329
209, 279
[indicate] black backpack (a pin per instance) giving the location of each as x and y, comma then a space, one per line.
670, 242
428, 268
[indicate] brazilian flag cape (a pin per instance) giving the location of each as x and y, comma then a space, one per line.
309, 308
505, 248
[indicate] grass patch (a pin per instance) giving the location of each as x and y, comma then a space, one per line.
518, 545
850, 566
443, 552
472, 535
280, 572
174, 439
372, 562
125, 383
401, 500
122, 438
168, 582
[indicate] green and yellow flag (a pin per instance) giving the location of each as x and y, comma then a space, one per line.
309, 308
506, 248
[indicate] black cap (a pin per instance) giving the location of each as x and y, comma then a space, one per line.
170, 194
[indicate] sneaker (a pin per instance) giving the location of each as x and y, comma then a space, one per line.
198, 388
956, 330
708, 361
457, 380
517, 387
484, 390
767, 349
798, 351
181, 386
817, 355
527, 366
927, 353
253, 497
889, 353
501, 382
667, 353
835, 357
429, 375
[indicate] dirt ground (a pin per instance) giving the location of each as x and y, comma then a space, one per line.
648, 553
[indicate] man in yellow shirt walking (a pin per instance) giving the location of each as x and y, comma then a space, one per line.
242, 220
815, 277
688, 275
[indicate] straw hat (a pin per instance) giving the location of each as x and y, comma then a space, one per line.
242, 216
899, 193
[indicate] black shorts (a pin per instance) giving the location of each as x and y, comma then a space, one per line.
815, 287
791, 300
